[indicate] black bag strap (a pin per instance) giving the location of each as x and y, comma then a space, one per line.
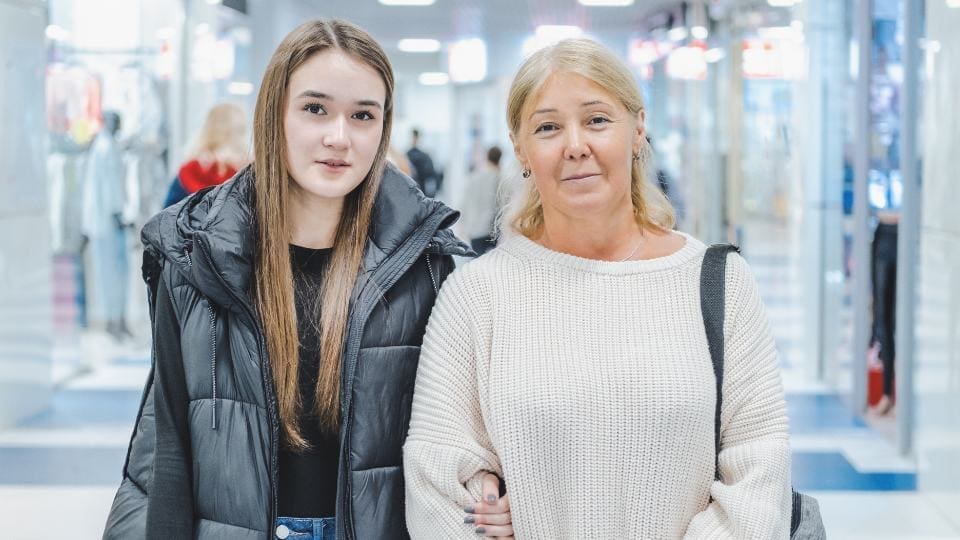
712, 279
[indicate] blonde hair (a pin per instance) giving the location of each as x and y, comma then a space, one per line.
274, 292
523, 212
223, 137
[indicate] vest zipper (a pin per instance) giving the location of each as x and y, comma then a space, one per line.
436, 289
392, 269
213, 362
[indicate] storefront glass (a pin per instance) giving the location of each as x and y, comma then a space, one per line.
123, 104
748, 123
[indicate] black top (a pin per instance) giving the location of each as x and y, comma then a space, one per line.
308, 480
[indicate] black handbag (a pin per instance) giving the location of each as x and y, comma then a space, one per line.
805, 520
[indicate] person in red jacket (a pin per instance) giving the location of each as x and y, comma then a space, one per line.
220, 151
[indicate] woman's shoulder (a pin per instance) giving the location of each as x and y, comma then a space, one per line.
479, 275
493, 264
737, 273
740, 286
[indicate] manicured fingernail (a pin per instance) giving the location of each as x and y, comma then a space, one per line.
468, 509
491, 498
468, 519
481, 530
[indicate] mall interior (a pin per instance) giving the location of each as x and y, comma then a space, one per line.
817, 135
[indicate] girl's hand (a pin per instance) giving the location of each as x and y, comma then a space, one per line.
491, 517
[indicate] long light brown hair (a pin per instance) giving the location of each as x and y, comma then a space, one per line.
524, 210
274, 291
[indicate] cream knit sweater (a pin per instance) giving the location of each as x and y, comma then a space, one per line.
587, 385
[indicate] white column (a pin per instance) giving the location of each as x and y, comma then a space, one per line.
26, 331
821, 98
908, 233
937, 320
861, 278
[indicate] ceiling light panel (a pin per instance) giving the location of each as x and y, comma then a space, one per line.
612, 3
407, 2
434, 78
418, 45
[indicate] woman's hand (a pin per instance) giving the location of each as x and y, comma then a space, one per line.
491, 517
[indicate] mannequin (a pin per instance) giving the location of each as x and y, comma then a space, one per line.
104, 197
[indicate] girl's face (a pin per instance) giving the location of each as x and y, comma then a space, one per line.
333, 124
578, 140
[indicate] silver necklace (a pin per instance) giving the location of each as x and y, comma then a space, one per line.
632, 253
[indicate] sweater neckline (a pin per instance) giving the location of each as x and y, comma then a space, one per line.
526, 248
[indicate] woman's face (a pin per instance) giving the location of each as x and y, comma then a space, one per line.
578, 141
333, 124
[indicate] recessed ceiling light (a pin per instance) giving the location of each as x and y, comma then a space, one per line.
549, 34
418, 45
240, 88
467, 61
678, 33
434, 78
606, 2
56, 32
407, 2
714, 55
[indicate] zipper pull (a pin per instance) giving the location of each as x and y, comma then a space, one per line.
436, 289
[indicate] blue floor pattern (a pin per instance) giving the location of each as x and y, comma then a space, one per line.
77, 408
830, 471
816, 413
822, 414
62, 466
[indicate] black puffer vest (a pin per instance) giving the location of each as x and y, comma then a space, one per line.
204, 249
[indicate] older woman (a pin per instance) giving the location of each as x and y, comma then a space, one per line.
572, 360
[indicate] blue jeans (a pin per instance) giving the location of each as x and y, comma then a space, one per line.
306, 528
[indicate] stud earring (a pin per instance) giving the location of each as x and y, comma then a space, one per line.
525, 173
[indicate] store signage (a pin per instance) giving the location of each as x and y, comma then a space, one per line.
774, 59
687, 63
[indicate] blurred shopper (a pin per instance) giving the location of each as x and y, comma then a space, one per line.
572, 358
884, 259
479, 206
104, 199
397, 158
885, 189
667, 184
423, 171
220, 151
288, 308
